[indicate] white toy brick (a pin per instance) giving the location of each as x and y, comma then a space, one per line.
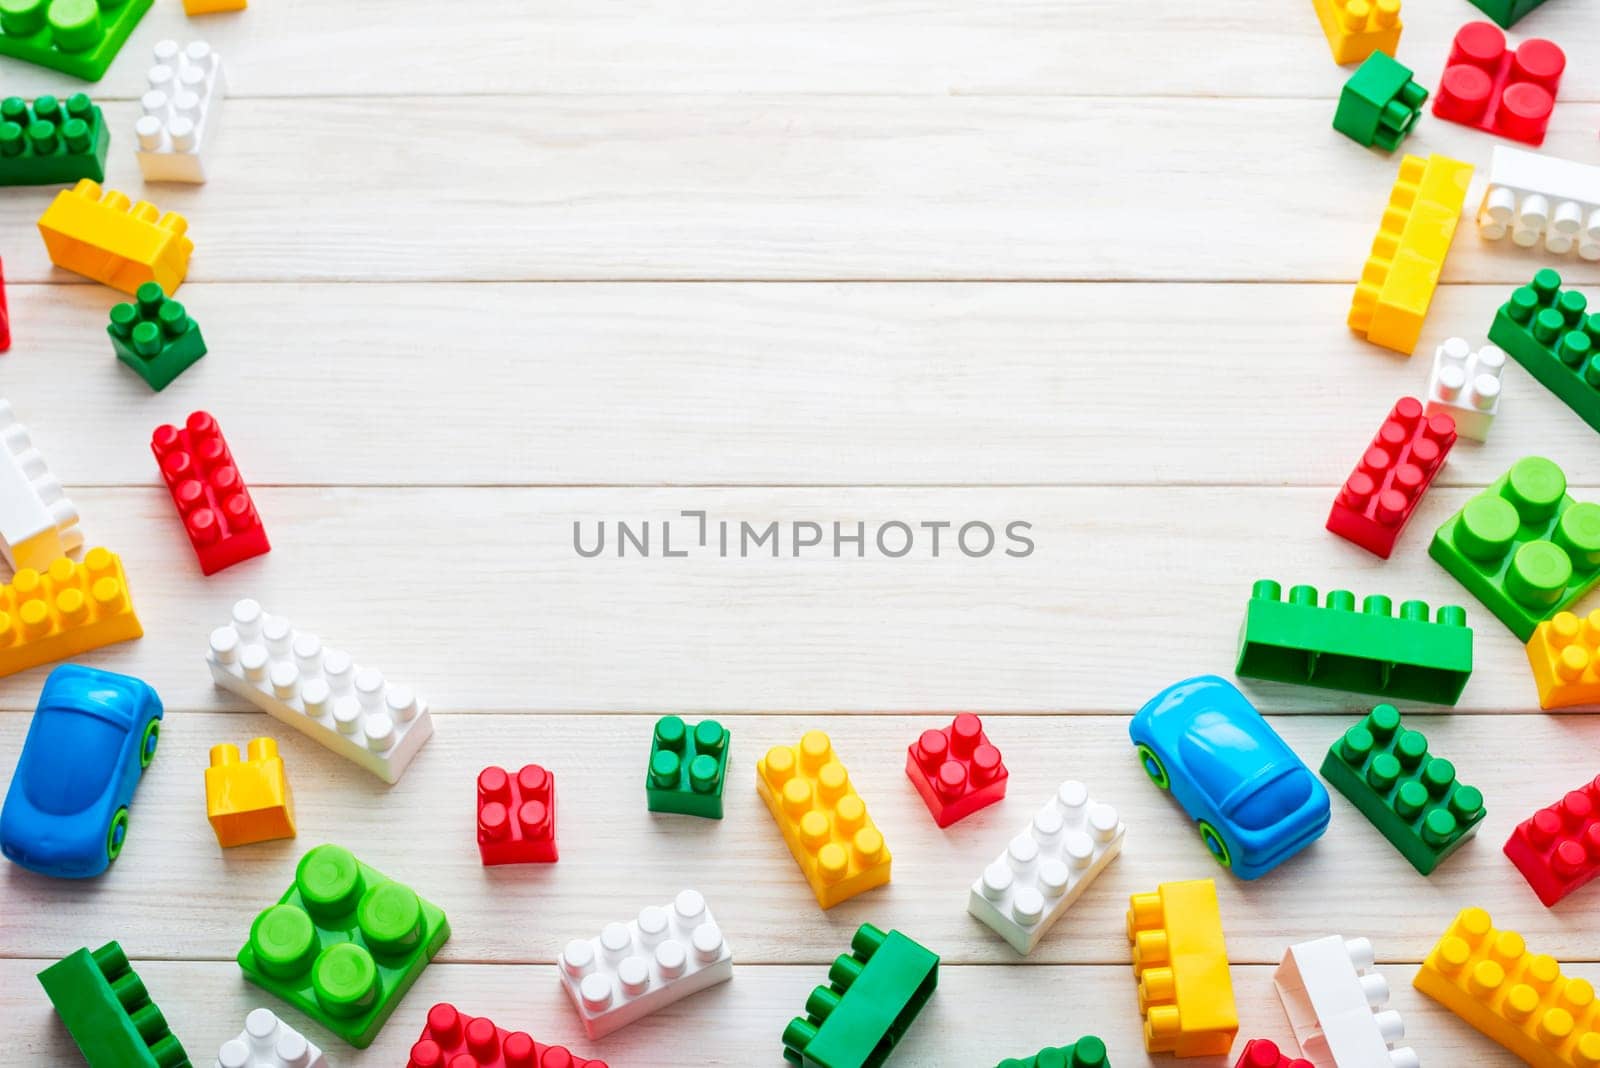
1465, 385
633, 969
268, 1042
1047, 867
37, 521
182, 112
1532, 195
319, 692
1335, 1003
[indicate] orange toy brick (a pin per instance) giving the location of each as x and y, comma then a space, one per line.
102, 235
248, 801
1564, 653
65, 610
1181, 962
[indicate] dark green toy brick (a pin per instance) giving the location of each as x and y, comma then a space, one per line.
1506, 12
76, 37
1380, 103
873, 994
1087, 1052
1409, 794
1548, 332
155, 336
53, 142
110, 1016
687, 768
1523, 547
1370, 651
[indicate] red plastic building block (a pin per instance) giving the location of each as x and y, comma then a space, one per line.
1263, 1053
452, 1039
215, 504
1558, 849
517, 816
1397, 468
5, 316
956, 770
1489, 87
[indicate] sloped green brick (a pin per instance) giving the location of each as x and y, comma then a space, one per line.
104, 1005
873, 994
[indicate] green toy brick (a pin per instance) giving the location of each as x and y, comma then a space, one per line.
687, 768
1087, 1052
1370, 651
343, 944
1506, 12
1549, 334
77, 37
1380, 103
874, 993
1523, 547
104, 1004
155, 336
1409, 794
53, 142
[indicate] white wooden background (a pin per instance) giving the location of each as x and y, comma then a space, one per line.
469, 275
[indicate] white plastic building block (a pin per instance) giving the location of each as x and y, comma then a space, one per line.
1335, 1004
1465, 385
268, 1042
319, 692
633, 969
37, 521
1532, 195
182, 111
1046, 867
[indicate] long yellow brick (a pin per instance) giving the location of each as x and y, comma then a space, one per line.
65, 610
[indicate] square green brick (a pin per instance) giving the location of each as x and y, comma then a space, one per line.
1087, 1052
874, 993
54, 142
1380, 103
344, 943
155, 336
1548, 333
76, 37
1505, 13
104, 1005
687, 768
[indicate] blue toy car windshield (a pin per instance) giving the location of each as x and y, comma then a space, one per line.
1220, 757
71, 758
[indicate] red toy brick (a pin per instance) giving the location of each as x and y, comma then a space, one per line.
1398, 467
1558, 848
212, 499
956, 770
5, 316
517, 816
1262, 1053
1488, 87
451, 1039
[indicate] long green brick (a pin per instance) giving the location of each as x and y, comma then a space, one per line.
53, 142
1523, 546
1409, 794
687, 768
155, 336
76, 37
1550, 333
1506, 12
1087, 1052
1379, 104
104, 1005
873, 994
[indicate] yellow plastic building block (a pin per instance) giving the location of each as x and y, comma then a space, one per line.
66, 610
1185, 993
250, 801
823, 819
1519, 999
1398, 280
207, 7
1357, 28
100, 234
1564, 653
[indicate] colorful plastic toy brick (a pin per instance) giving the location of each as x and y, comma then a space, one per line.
53, 142
65, 610
1047, 867
1087, 1052
1264, 1053
1503, 92
268, 1042
1465, 385
207, 7
1185, 992
102, 235
873, 996
213, 501
1557, 849
343, 944
838, 847
182, 112
76, 37
687, 768
1379, 104
1377, 500
5, 314
105, 1007
1549, 333
633, 969
1523, 547
452, 1039
1335, 999
517, 816
1519, 999
37, 521
1505, 12
1397, 282
248, 801
155, 336
1338, 648
1564, 653
1532, 196
319, 692
1357, 28
956, 770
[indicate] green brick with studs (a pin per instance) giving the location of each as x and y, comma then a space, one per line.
104, 1005
1379, 104
52, 142
155, 336
1554, 336
76, 37
687, 768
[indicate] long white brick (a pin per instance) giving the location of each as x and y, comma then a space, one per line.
1533, 196
37, 521
1335, 1000
182, 112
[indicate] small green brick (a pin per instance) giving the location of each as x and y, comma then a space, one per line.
103, 1003
1380, 103
155, 336
1523, 546
53, 142
687, 768
1548, 333
1087, 1052
1409, 794
873, 994
343, 944
1505, 13
76, 37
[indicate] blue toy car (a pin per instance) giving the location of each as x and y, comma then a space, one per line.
1256, 803
91, 738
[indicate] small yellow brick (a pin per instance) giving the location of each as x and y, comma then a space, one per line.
64, 610
1181, 962
1564, 653
102, 235
207, 7
248, 801
1357, 28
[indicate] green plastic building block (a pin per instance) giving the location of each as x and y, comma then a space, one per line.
77, 37
155, 336
103, 1002
1087, 1052
343, 944
1370, 651
52, 143
687, 768
1409, 794
874, 992
1380, 103
1547, 332
1506, 12
1523, 547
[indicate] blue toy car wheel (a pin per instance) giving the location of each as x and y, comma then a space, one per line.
1153, 767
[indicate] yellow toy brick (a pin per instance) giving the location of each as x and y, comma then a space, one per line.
207, 7
1400, 275
1357, 28
1185, 992
823, 819
1519, 999
66, 610
1564, 653
249, 801
101, 235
